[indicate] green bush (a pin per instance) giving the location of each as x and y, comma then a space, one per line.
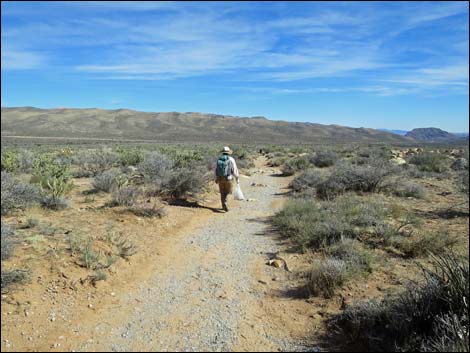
130, 156
54, 179
424, 244
408, 189
324, 159
184, 182
307, 182
327, 275
430, 162
352, 253
313, 224
349, 177
10, 161
293, 165
47, 170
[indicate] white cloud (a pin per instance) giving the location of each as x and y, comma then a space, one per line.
21, 60
186, 39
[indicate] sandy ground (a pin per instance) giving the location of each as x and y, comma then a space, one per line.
203, 286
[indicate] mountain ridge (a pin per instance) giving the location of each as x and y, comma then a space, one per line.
175, 126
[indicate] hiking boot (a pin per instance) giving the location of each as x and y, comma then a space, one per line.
225, 208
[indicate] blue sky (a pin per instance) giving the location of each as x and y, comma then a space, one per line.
394, 65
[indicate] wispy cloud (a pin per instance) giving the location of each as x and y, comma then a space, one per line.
172, 40
14, 59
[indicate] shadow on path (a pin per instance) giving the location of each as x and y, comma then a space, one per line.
193, 204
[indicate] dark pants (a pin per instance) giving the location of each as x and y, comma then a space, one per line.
225, 188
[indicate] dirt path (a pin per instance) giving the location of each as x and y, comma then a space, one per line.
209, 289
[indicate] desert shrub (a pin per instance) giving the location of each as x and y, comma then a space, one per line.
430, 162
26, 160
413, 171
10, 162
94, 162
130, 156
156, 168
408, 189
16, 195
15, 276
293, 165
242, 157
30, 223
99, 275
411, 320
311, 224
54, 202
7, 242
184, 182
460, 164
424, 244
350, 177
123, 245
109, 181
307, 182
276, 161
350, 251
126, 196
325, 276
89, 257
324, 159
463, 182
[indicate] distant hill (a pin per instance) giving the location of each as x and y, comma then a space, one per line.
177, 127
397, 132
433, 134
460, 134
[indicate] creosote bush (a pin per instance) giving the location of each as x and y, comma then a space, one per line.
324, 159
313, 224
293, 165
437, 242
430, 162
408, 189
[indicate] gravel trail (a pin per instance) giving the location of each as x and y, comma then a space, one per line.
209, 293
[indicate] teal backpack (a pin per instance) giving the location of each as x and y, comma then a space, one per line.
223, 166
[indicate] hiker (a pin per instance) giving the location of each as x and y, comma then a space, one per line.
225, 170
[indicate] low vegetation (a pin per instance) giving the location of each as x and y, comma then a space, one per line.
431, 315
16, 195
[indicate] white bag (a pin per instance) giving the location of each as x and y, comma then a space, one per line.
238, 194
